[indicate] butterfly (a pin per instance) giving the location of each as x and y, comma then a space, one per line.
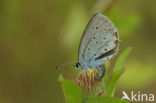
98, 44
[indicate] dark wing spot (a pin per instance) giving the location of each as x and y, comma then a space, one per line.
93, 37
97, 27
88, 48
116, 38
104, 38
116, 34
105, 49
94, 54
117, 42
96, 42
112, 51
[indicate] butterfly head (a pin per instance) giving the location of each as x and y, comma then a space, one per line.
77, 65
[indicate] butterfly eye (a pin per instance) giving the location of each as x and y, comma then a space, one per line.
105, 49
77, 65
97, 27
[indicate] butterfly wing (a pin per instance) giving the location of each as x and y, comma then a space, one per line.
99, 42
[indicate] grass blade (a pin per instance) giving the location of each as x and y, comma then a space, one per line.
120, 62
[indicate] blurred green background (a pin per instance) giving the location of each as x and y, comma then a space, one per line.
38, 35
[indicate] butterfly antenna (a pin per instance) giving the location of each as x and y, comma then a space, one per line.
60, 66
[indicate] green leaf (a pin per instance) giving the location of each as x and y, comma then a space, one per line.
117, 72
72, 92
107, 100
112, 82
120, 62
